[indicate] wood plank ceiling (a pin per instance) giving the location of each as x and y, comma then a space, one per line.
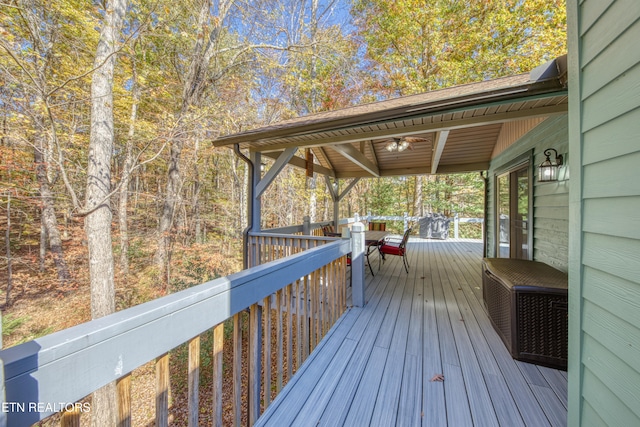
449, 130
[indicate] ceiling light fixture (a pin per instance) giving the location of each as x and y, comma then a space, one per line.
397, 144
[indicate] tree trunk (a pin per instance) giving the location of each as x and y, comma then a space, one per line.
418, 208
43, 244
194, 86
49, 219
8, 254
171, 201
98, 221
123, 197
195, 197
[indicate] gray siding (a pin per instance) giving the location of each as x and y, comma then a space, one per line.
604, 348
550, 200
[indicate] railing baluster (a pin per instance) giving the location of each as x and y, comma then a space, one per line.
318, 315
162, 390
337, 266
326, 299
71, 417
194, 381
218, 347
266, 351
292, 300
305, 319
330, 294
344, 288
255, 353
320, 307
279, 340
237, 369
312, 312
123, 390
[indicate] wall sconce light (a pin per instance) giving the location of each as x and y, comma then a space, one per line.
263, 166
335, 185
548, 170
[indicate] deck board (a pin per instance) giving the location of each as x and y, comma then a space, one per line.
376, 364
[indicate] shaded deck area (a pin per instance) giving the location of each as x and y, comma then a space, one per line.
376, 365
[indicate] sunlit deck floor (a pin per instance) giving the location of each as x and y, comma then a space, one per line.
376, 365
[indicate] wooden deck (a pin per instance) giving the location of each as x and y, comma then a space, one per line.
376, 365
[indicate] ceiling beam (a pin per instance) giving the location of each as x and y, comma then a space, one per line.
301, 163
322, 157
348, 188
274, 170
349, 152
329, 184
442, 169
369, 144
466, 167
440, 141
386, 172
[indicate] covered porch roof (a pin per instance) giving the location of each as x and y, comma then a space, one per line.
451, 130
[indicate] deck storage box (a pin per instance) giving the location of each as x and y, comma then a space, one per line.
527, 305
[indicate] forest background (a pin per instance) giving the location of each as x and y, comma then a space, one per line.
110, 188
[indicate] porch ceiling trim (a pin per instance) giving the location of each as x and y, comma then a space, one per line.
350, 142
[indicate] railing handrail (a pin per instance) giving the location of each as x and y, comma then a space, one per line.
299, 228
70, 364
266, 233
295, 228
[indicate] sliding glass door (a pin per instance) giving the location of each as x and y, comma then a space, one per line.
513, 194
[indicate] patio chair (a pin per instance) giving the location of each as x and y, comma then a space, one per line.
378, 226
328, 231
395, 246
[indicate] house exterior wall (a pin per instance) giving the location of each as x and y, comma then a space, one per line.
550, 200
604, 244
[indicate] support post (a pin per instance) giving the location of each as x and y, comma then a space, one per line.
336, 212
306, 225
255, 212
357, 263
256, 207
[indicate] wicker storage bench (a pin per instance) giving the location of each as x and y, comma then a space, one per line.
527, 304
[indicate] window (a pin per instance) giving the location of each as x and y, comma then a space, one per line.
513, 207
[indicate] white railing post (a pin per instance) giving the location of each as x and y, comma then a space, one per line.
357, 263
456, 221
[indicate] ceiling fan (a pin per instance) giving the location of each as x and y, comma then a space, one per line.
401, 144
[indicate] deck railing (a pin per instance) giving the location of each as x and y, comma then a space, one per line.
306, 228
269, 246
297, 293
315, 229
